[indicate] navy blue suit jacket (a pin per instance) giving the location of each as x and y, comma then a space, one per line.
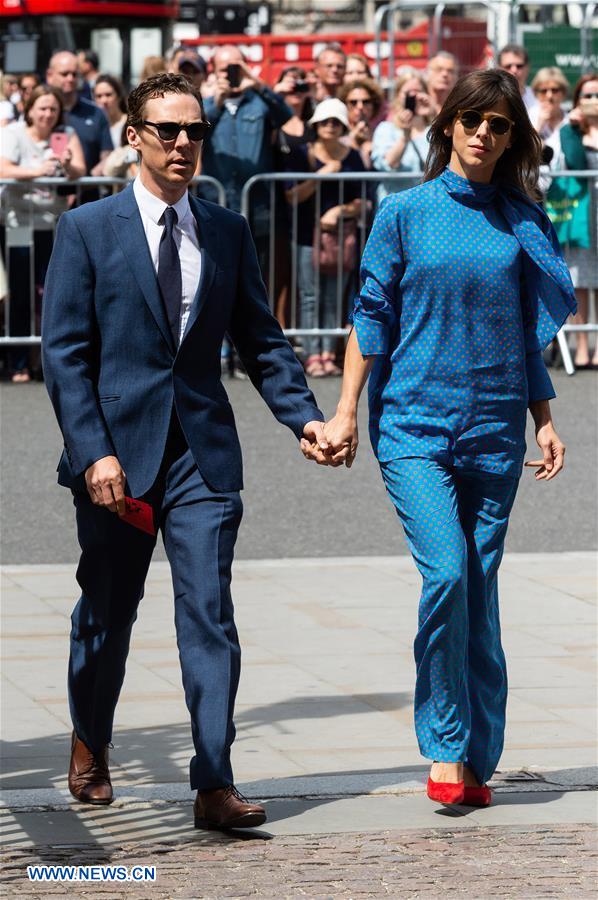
110, 364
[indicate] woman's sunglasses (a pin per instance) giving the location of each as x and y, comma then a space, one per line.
336, 122
471, 120
169, 131
549, 90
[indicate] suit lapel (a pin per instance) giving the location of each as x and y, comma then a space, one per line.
208, 246
129, 230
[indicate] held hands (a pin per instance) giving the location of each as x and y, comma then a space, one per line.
331, 444
553, 451
105, 482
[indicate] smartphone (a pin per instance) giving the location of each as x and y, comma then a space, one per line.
59, 141
411, 102
233, 73
302, 87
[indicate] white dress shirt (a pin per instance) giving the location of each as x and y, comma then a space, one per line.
152, 209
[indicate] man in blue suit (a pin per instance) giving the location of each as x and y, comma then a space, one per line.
141, 288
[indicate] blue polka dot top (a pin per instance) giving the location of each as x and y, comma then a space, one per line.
444, 309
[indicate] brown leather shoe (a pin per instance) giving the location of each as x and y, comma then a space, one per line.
89, 776
226, 808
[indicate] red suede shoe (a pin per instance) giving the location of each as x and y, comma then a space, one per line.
477, 796
445, 792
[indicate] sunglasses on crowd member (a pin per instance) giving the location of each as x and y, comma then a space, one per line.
549, 90
169, 131
592, 96
329, 122
518, 66
366, 102
471, 119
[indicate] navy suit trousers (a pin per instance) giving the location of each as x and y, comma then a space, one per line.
199, 527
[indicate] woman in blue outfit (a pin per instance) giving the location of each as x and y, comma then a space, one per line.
463, 287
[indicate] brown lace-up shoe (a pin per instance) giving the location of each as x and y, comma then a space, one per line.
226, 808
89, 776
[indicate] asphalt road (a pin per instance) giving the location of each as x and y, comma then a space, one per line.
292, 507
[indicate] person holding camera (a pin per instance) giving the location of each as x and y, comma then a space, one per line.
244, 113
579, 139
363, 99
39, 147
550, 89
400, 144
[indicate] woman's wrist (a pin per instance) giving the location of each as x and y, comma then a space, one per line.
347, 407
540, 410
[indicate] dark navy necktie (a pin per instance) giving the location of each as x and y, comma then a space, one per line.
169, 272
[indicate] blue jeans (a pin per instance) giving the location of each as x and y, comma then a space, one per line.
309, 302
455, 522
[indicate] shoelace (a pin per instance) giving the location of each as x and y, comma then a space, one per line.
232, 791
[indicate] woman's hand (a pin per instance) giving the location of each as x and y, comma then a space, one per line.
405, 119
360, 133
423, 105
47, 168
331, 218
343, 438
576, 117
553, 451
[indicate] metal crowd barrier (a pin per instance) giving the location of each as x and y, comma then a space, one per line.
20, 233
267, 185
280, 242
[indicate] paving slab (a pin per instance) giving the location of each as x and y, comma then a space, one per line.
324, 711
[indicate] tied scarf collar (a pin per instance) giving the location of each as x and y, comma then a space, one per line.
547, 280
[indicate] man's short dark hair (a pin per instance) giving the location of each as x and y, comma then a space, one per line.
517, 49
158, 86
91, 57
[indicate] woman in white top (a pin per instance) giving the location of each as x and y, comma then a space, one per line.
39, 147
550, 88
109, 95
400, 144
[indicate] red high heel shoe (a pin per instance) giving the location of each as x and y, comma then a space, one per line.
445, 792
477, 796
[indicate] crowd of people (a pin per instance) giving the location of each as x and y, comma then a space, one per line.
331, 119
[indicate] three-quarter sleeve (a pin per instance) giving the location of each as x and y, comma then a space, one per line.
539, 385
375, 312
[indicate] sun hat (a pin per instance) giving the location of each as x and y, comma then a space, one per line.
331, 108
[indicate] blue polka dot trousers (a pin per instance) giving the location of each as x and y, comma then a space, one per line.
455, 523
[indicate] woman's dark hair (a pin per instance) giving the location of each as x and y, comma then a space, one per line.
117, 87
158, 86
519, 165
364, 84
589, 76
42, 90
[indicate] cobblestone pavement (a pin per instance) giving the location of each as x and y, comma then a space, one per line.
479, 863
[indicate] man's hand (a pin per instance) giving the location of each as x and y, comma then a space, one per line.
553, 451
314, 444
105, 482
342, 436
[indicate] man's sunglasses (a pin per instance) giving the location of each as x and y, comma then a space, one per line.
169, 131
366, 102
471, 120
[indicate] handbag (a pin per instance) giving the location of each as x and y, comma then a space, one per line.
326, 253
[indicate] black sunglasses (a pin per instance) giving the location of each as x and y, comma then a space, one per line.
471, 119
593, 96
169, 131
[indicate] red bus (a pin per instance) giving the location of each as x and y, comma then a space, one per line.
269, 54
122, 33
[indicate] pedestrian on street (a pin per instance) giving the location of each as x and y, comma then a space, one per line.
463, 286
141, 288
